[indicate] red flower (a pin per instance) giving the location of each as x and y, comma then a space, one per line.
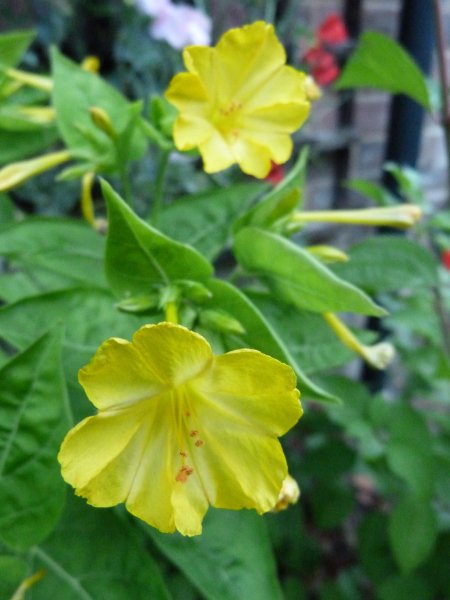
332, 31
322, 64
276, 174
446, 259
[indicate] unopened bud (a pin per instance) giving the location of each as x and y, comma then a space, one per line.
327, 254
312, 90
16, 173
289, 494
401, 215
91, 64
378, 356
137, 304
102, 120
219, 320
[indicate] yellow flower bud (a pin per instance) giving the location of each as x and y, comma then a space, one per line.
17, 173
40, 82
91, 63
312, 90
378, 355
328, 254
289, 494
42, 115
102, 120
402, 216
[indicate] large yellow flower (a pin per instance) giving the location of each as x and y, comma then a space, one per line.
239, 102
179, 428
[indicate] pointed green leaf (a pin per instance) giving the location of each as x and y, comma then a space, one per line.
72, 104
138, 256
231, 559
380, 62
93, 555
260, 335
296, 276
34, 418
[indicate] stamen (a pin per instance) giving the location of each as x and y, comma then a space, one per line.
183, 474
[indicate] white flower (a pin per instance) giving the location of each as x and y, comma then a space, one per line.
177, 24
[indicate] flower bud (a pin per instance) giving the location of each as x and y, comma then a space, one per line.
289, 494
327, 254
102, 120
312, 90
16, 173
219, 320
401, 215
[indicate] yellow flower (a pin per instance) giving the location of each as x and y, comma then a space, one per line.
179, 429
239, 102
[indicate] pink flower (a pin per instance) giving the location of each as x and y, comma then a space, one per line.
177, 24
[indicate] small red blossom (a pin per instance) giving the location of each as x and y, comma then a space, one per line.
322, 64
446, 259
276, 174
321, 61
332, 31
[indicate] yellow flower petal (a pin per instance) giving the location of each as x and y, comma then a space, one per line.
216, 153
179, 429
266, 387
246, 94
90, 446
190, 131
250, 57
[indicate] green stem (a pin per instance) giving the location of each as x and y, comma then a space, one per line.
159, 188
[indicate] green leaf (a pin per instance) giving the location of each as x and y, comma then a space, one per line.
388, 262
412, 464
231, 559
205, 220
89, 317
373, 191
34, 417
138, 256
12, 46
93, 555
72, 103
17, 146
412, 532
260, 335
296, 276
43, 249
380, 62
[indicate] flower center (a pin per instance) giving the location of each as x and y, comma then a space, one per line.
227, 119
187, 435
